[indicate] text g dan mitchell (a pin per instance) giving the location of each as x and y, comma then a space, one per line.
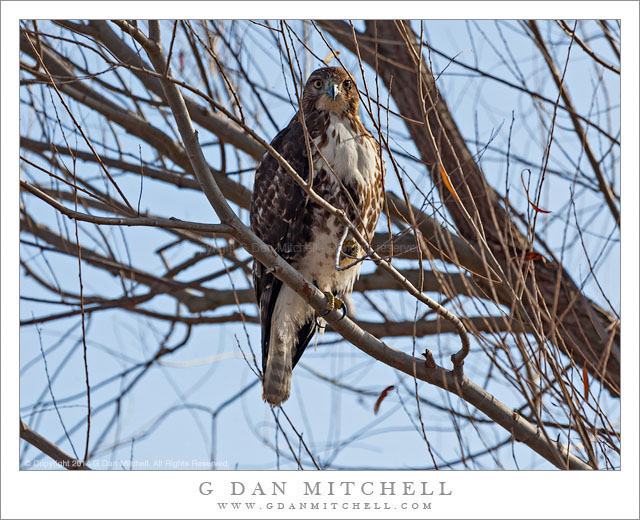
332, 488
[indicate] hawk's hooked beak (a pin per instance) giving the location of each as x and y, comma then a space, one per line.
334, 90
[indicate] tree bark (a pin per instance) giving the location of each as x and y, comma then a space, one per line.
584, 331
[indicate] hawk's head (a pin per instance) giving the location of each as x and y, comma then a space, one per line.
331, 89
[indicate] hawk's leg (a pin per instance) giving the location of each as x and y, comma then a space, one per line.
333, 303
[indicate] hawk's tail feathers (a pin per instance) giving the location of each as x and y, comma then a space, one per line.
284, 340
277, 375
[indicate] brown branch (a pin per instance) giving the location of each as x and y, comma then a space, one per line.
586, 48
64, 246
524, 90
169, 223
393, 49
50, 449
460, 385
421, 328
454, 382
190, 140
376, 281
613, 42
605, 187
76, 124
216, 123
179, 179
132, 123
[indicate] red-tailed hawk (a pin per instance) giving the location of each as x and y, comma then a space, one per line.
348, 172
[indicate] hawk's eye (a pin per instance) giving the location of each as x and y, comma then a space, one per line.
347, 84
317, 83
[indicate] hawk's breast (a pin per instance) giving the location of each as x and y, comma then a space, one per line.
347, 168
349, 152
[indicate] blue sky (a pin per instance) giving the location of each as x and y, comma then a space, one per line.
338, 426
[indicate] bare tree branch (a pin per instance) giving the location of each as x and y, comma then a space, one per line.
581, 332
466, 254
450, 381
50, 449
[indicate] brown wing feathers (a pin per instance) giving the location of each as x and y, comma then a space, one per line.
278, 218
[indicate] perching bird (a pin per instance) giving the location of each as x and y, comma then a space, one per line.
348, 172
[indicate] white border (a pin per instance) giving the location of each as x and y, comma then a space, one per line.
175, 494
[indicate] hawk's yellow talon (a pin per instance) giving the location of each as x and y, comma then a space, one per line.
351, 248
333, 302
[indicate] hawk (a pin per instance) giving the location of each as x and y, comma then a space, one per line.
348, 172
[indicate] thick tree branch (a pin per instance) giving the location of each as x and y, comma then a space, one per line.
454, 382
50, 449
131, 122
460, 385
67, 247
169, 223
179, 179
421, 328
570, 320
